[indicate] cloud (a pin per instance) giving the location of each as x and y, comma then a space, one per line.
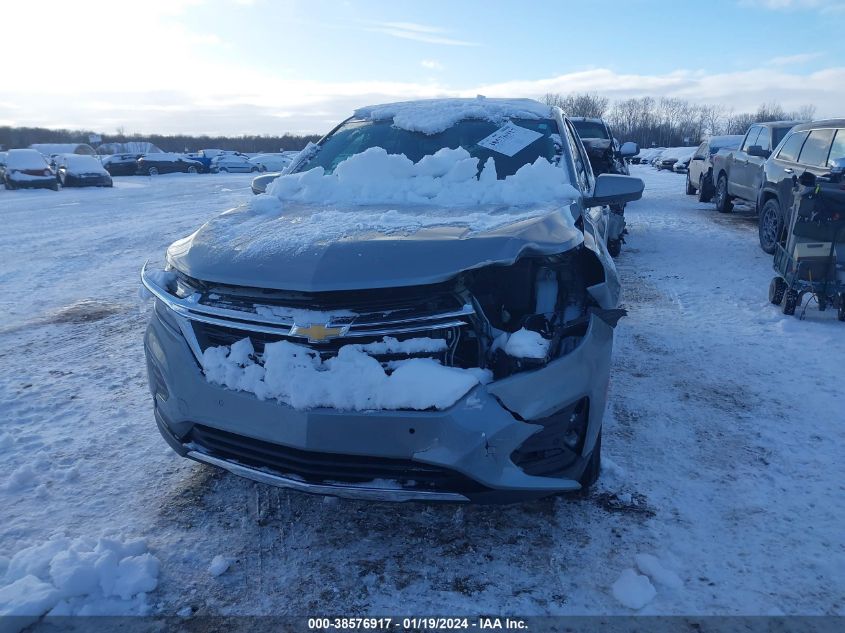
431, 64
417, 32
826, 6
790, 60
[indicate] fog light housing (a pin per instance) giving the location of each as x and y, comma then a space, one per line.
558, 446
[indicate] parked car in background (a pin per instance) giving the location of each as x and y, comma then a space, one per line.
809, 147
3, 156
390, 364
154, 164
669, 156
273, 162
234, 163
700, 172
28, 169
76, 170
121, 164
200, 157
681, 165
738, 174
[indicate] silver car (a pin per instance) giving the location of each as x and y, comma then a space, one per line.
512, 321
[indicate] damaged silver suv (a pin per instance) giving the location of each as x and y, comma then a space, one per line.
421, 308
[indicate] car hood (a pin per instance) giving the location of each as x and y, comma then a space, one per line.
312, 249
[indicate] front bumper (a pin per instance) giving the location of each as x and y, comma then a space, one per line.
462, 453
33, 182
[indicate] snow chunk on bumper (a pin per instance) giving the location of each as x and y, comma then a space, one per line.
353, 380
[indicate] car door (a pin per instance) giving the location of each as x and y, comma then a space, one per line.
782, 169
740, 176
697, 163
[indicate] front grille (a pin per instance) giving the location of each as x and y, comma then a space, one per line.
327, 468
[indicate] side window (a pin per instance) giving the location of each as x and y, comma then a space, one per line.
751, 138
792, 147
765, 138
837, 150
816, 148
583, 174
701, 152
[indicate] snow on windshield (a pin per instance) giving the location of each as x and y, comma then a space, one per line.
436, 115
80, 163
25, 159
448, 178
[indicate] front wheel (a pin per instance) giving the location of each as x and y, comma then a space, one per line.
791, 303
723, 200
777, 288
770, 226
153, 171
705, 185
690, 188
192, 170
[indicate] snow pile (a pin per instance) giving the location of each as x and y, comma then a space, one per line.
432, 116
527, 344
353, 380
633, 590
447, 178
651, 566
80, 577
219, 565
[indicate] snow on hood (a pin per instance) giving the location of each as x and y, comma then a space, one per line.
381, 220
431, 116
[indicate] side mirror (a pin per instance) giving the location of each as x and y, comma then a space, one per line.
615, 189
759, 152
629, 149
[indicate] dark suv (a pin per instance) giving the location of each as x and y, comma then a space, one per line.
809, 147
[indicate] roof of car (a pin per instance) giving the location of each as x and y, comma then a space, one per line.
778, 124
592, 119
815, 125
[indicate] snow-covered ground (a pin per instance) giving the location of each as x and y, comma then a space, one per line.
722, 488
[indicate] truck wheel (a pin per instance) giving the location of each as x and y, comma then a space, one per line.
614, 247
791, 302
723, 200
777, 288
770, 226
690, 188
705, 186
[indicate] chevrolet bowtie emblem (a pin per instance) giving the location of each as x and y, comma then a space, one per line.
317, 333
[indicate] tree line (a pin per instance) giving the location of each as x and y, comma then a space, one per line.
11, 137
668, 121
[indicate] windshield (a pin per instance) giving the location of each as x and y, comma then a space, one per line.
590, 129
358, 135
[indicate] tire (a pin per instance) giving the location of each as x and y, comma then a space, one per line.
840, 313
593, 469
770, 226
192, 170
55, 186
723, 200
705, 188
614, 247
9, 186
790, 303
690, 188
777, 288
153, 171
253, 170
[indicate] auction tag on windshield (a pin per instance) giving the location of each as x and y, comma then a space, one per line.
509, 139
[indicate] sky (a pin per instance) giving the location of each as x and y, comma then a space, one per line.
301, 66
